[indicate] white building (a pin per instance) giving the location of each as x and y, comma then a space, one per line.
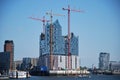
60, 62
114, 65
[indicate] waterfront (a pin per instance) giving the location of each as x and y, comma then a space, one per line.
93, 77
60, 46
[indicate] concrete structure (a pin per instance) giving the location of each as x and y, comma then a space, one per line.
114, 65
60, 62
104, 61
59, 46
4, 62
9, 47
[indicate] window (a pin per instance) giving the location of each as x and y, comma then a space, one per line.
60, 58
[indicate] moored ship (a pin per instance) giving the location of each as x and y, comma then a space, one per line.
19, 74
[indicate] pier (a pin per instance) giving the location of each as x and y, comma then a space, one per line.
69, 72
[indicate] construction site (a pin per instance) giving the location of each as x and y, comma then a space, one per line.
58, 54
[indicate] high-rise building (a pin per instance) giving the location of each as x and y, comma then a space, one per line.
104, 61
9, 47
59, 48
4, 62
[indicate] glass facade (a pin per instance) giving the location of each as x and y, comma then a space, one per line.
73, 45
59, 42
4, 62
104, 61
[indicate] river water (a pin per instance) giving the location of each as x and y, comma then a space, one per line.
92, 77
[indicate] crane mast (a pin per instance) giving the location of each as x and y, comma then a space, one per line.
51, 37
69, 54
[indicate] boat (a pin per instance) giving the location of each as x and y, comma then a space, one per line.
18, 74
4, 77
116, 72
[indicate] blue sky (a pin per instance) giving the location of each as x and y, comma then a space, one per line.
98, 27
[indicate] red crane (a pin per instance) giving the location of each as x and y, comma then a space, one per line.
69, 54
51, 14
42, 20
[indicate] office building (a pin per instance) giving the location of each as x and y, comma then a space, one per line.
34, 61
4, 62
9, 47
28, 63
18, 64
114, 65
104, 61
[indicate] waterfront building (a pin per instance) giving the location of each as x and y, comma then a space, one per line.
34, 62
114, 65
18, 64
73, 44
28, 63
56, 39
59, 48
42, 44
60, 62
104, 61
9, 47
4, 62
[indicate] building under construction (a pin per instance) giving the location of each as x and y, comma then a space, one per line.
54, 54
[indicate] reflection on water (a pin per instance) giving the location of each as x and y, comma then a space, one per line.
93, 77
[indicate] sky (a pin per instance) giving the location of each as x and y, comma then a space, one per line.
98, 26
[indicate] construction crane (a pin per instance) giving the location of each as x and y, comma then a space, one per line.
51, 36
52, 14
42, 20
69, 54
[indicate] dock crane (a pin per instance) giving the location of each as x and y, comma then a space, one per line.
42, 20
51, 14
69, 54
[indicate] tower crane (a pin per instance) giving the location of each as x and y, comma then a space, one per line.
51, 14
42, 20
69, 54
